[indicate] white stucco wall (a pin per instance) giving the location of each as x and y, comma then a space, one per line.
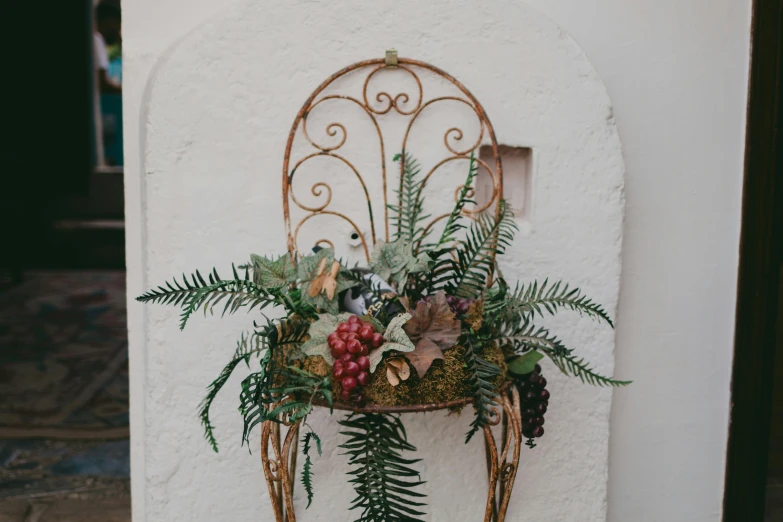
677, 77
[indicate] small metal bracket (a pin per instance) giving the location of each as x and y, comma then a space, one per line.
391, 58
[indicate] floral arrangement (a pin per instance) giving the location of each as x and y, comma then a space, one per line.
430, 320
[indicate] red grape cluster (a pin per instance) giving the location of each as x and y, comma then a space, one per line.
458, 305
535, 399
350, 344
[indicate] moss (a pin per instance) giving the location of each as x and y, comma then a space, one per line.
446, 380
316, 365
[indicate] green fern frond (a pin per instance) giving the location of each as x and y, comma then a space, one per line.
483, 390
279, 392
408, 216
199, 293
524, 336
487, 238
570, 365
286, 334
454, 221
382, 477
536, 299
246, 347
307, 473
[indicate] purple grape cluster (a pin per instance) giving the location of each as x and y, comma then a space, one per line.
458, 305
535, 400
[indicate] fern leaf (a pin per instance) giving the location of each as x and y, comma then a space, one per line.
482, 388
383, 479
199, 293
307, 473
408, 215
570, 365
536, 299
487, 238
454, 222
246, 347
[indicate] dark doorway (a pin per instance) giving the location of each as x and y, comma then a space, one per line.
64, 448
754, 475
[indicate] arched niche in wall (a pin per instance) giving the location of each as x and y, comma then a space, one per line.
218, 111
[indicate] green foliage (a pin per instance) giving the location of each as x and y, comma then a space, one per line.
287, 334
487, 237
382, 477
524, 336
279, 391
524, 364
248, 345
407, 217
393, 262
273, 273
207, 294
454, 222
394, 338
482, 388
307, 473
570, 365
536, 299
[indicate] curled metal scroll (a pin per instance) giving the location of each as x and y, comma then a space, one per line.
377, 105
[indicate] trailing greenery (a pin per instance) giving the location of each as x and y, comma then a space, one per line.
408, 216
207, 294
482, 388
247, 346
307, 473
278, 391
382, 478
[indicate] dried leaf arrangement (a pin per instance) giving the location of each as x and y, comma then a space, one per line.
386, 326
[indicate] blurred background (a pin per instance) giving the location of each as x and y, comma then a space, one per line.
64, 450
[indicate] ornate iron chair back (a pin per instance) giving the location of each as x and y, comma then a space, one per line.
410, 106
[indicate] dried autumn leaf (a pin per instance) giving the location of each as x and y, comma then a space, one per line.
432, 328
424, 355
397, 370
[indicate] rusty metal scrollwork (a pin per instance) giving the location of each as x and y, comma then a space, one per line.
377, 103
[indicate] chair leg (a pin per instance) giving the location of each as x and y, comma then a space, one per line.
501, 472
280, 467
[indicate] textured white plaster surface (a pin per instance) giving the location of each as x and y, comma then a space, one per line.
208, 97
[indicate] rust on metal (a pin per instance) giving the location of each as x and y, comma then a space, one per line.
383, 103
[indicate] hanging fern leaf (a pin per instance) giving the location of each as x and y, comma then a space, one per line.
382, 477
482, 388
408, 216
570, 365
207, 294
486, 238
307, 473
246, 347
